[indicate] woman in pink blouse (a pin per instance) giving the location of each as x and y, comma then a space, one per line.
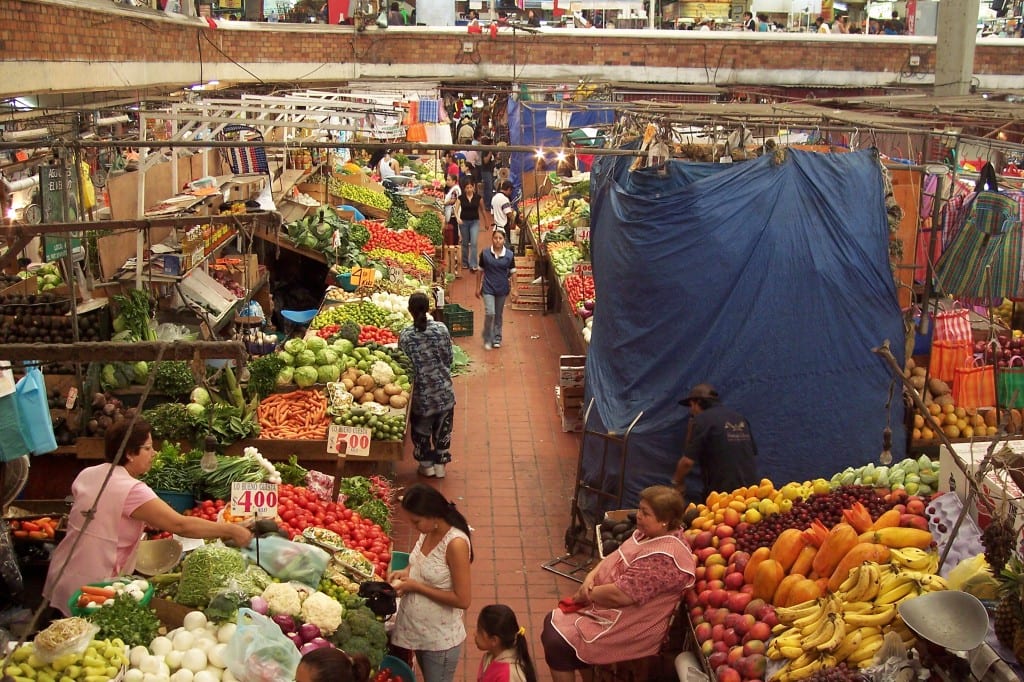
627, 600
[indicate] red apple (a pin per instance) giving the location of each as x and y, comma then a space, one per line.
746, 622
732, 638
717, 597
727, 549
715, 559
760, 630
754, 646
754, 607
752, 666
720, 645
690, 597
715, 572
764, 611
901, 508
717, 617
707, 648
702, 632
726, 674
717, 632
696, 612
735, 654
700, 586
716, 585
738, 601
698, 574
738, 561
703, 595
734, 580
703, 539
742, 527
732, 619
718, 658
913, 521
769, 618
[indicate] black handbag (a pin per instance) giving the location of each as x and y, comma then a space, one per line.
380, 597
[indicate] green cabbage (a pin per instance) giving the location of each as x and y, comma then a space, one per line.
286, 357
326, 357
305, 358
200, 395
284, 377
295, 346
305, 376
196, 410
141, 370
343, 346
327, 373
315, 343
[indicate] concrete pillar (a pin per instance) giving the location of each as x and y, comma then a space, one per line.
955, 32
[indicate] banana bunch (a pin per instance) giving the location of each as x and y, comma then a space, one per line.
915, 559
850, 624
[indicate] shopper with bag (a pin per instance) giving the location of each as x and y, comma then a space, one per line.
497, 266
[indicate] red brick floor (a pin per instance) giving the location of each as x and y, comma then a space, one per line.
512, 473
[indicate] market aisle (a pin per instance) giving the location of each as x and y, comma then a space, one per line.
513, 470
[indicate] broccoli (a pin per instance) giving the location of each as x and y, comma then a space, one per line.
361, 632
349, 330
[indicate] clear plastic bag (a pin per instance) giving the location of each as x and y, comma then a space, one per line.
259, 651
174, 332
64, 636
287, 560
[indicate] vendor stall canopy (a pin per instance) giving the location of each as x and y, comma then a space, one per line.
769, 279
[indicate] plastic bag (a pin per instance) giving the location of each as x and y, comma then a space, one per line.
64, 636
174, 332
259, 651
34, 412
287, 560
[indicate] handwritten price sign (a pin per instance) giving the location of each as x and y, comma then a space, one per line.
356, 440
254, 499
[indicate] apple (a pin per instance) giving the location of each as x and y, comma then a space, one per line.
718, 632
702, 632
690, 597
718, 658
698, 573
742, 527
716, 585
738, 601
901, 508
770, 618
717, 617
715, 559
703, 539
726, 674
754, 607
732, 619
760, 630
732, 638
734, 580
735, 654
730, 519
707, 647
745, 623
752, 666
727, 549
719, 645
703, 595
754, 646
913, 521
696, 612
748, 588
717, 597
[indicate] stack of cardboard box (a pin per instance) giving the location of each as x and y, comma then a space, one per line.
569, 391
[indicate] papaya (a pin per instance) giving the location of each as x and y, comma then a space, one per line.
802, 565
886, 520
858, 554
767, 577
839, 541
899, 537
756, 557
787, 547
781, 596
804, 590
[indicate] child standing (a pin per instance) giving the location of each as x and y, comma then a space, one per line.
503, 641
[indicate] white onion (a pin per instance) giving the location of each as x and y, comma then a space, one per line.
161, 646
184, 640
216, 655
194, 620
194, 660
225, 632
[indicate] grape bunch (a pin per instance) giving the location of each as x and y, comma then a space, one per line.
827, 508
839, 673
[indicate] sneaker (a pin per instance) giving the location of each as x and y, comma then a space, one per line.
439, 470
488, 346
497, 344
428, 470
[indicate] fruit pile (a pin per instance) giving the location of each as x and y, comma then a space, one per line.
404, 241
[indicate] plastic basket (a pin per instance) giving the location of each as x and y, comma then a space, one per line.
398, 668
179, 502
77, 611
458, 320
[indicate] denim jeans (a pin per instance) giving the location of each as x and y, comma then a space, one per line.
439, 666
469, 229
493, 309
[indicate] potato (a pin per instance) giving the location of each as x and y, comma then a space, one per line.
357, 392
938, 387
917, 382
944, 400
911, 365
919, 372
366, 398
348, 384
366, 381
392, 389
380, 396
398, 402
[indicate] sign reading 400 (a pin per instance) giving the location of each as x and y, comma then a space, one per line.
254, 499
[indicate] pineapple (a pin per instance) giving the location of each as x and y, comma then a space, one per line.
1009, 615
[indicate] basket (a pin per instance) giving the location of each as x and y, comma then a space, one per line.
77, 611
458, 320
398, 668
179, 502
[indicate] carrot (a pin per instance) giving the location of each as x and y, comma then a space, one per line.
98, 591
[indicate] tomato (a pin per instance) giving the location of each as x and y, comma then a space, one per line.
347, 514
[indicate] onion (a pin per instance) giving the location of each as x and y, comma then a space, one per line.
321, 643
285, 622
307, 647
308, 632
296, 639
259, 605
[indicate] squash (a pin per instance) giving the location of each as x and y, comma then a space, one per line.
839, 541
899, 537
802, 565
767, 577
861, 552
398, 402
787, 547
756, 557
781, 597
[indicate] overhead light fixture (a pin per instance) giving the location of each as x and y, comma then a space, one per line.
112, 120
22, 135
540, 153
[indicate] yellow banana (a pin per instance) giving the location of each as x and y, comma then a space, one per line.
809, 624
890, 580
880, 617
896, 593
823, 634
860, 586
872, 585
838, 633
790, 652
789, 639
790, 613
852, 578
866, 653
858, 607
800, 669
849, 644
928, 581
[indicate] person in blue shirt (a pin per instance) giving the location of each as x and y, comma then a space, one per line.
493, 283
429, 347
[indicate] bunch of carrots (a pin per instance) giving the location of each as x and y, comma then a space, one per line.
91, 594
42, 528
299, 415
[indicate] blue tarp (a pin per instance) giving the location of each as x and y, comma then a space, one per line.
527, 125
769, 280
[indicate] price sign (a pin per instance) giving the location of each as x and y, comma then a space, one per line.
72, 397
356, 440
583, 234
583, 269
254, 499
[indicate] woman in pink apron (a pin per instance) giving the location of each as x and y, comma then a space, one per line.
105, 547
627, 600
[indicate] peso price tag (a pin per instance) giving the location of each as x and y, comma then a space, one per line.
356, 440
254, 499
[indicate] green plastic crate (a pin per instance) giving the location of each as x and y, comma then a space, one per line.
458, 320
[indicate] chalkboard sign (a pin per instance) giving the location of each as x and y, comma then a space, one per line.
58, 208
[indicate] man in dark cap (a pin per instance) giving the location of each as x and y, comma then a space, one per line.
719, 439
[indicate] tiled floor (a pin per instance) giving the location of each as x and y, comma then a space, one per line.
512, 473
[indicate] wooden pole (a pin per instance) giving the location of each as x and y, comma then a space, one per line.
111, 351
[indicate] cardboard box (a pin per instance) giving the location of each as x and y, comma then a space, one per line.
996, 487
247, 274
244, 187
572, 417
572, 370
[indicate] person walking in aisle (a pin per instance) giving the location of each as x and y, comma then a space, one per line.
502, 212
436, 588
429, 346
467, 216
493, 284
503, 641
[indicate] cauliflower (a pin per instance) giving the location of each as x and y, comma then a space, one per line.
382, 373
282, 598
323, 612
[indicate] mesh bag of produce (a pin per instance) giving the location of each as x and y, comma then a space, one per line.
205, 569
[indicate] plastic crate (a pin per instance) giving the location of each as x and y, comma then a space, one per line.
78, 611
458, 320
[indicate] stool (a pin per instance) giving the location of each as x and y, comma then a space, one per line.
297, 318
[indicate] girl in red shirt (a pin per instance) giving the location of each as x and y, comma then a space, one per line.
503, 641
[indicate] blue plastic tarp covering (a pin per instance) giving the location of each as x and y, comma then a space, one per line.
770, 280
527, 125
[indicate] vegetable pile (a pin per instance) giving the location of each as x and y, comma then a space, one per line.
299, 415
126, 619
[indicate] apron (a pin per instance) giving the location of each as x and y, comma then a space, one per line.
96, 556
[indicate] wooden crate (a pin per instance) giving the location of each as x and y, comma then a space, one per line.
527, 296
